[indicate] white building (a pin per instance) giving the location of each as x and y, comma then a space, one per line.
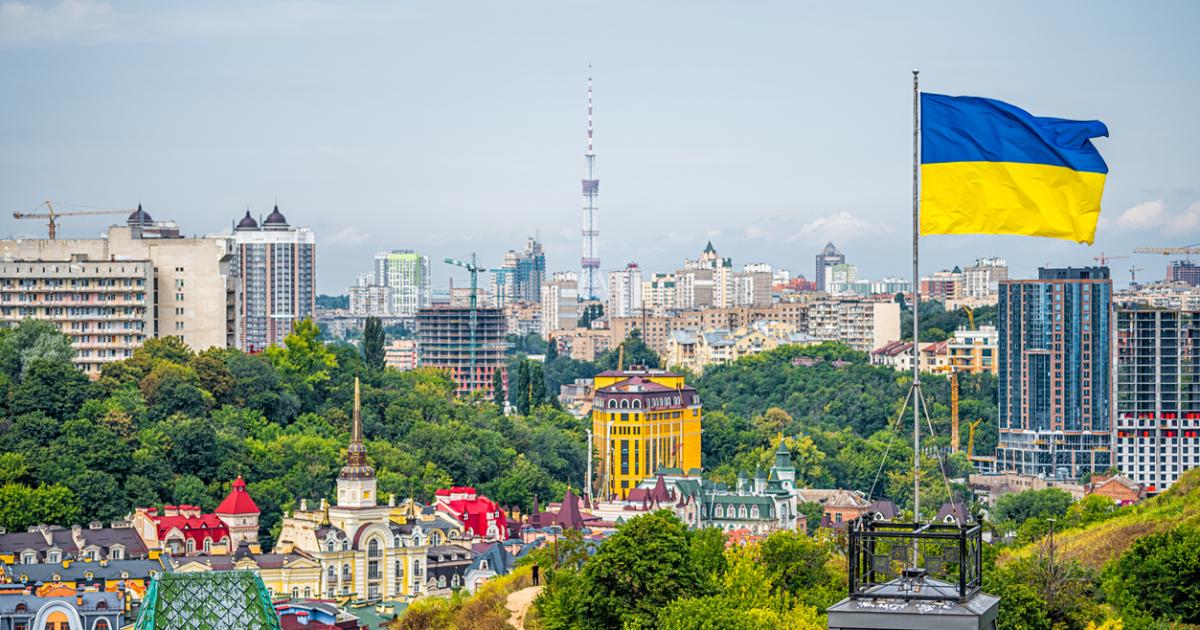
276, 266
397, 287
560, 302
625, 292
983, 278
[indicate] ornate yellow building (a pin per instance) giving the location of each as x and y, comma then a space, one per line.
366, 551
642, 420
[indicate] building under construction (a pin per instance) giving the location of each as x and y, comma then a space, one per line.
471, 346
1055, 377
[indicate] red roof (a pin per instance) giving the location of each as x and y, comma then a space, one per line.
238, 501
475, 513
196, 528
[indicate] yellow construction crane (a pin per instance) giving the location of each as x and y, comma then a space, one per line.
970, 317
1104, 258
953, 410
971, 426
52, 214
1186, 250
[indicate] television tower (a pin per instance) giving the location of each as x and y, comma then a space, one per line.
591, 230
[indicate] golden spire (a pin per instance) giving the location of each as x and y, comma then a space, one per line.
356, 454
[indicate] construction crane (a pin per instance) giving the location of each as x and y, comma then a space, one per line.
1104, 258
1133, 274
971, 426
953, 410
970, 317
52, 214
1186, 250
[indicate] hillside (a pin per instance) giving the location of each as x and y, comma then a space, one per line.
1094, 545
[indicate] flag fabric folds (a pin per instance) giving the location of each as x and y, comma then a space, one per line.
988, 167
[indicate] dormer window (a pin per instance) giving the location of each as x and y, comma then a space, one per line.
483, 565
116, 553
28, 557
54, 555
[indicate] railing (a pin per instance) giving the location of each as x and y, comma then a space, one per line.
947, 566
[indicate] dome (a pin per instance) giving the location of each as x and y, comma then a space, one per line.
275, 219
139, 217
247, 222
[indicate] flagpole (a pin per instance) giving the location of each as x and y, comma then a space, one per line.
916, 308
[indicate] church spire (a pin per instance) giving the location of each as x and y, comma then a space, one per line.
356, 454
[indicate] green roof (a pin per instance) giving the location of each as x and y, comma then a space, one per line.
212, 600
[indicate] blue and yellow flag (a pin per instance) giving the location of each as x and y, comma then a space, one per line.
990, 168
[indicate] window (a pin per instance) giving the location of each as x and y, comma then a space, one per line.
307, 591
346, 545
102, 624
295, 592
191, 546
373, 548
116, 553
441, 581
207, 545
53, 556
332, 573
329, 546
28, 557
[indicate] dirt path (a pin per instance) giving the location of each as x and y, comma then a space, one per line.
518, 605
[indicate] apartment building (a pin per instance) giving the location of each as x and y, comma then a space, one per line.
470, 347
560, 302
974, 351
1157, 383
192, 293
105, 307
625, 291
276, 266
861, 324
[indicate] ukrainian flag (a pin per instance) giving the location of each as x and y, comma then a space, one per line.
990, 168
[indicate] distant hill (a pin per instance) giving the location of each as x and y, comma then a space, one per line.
1094, 545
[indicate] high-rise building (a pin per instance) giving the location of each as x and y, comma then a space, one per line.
984, 277
521, 276
826, 259
943, 285
1157, 394
406, 281
560, 303
625, 291
643, 420
276, 266
470, 346
190, 292
659, 295
1184, 271
840, 278
1055, 374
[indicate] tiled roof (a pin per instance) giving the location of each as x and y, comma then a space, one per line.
210, 600
108, 570
238, 501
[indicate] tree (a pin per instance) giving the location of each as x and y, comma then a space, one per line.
372, 343
22, 506
498, 393
812, 512
800, 566
636, 353
551, 351
52, 387
100, 497
1013, 509
1159, 576
523, 402
32, 340
641, 568
537, 385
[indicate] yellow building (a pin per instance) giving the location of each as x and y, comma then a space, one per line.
642, 420
975, 351
285, 575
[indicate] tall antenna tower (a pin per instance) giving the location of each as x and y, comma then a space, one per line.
591, 229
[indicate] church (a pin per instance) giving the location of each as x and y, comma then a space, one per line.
367, 551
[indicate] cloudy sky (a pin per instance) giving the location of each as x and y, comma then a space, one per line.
452, 127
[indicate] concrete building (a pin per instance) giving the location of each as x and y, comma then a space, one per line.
861, 324
974, 351
407, 280
984, 277
1055, 378
276, 266
943, 285
826, 259
523, 318
625, 291
105, 307
642, 420
401, 354
1184, 271
659, 295
560, 303
840, 278
446, 340
1157, 384
583, 344
189, 293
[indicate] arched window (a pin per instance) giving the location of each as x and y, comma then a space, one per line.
295, 592
637, 404
307, 591
417, 568
332, 575
101, 624
345, 572
624, 404
454, 581
346, 545
399, 569
329, 546
191, 546
719, 512
102, 605
441, 581
612, 403
754, 512
21, 607
396, 542
373, 548
742, 512
207, 545
435, 537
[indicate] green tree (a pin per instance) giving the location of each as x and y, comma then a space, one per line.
523, 402
537, 385
372, 343
636, 353
640, 569
32, 340
800, 565
551, 351
190, 490
51, 387
22, 506
1014, 509
708, 555
13, 467
100, 496
498, 393
1159, 576
812, 512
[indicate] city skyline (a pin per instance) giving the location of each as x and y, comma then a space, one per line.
707, 132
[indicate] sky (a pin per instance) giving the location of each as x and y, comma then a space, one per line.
459, 127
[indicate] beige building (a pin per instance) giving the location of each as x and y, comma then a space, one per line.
189, 292
560, 303
861, 324
284, 574
696, 350
105, 307
401, 354
584, 344
974, 351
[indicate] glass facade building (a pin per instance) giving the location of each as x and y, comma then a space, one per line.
1055, 381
